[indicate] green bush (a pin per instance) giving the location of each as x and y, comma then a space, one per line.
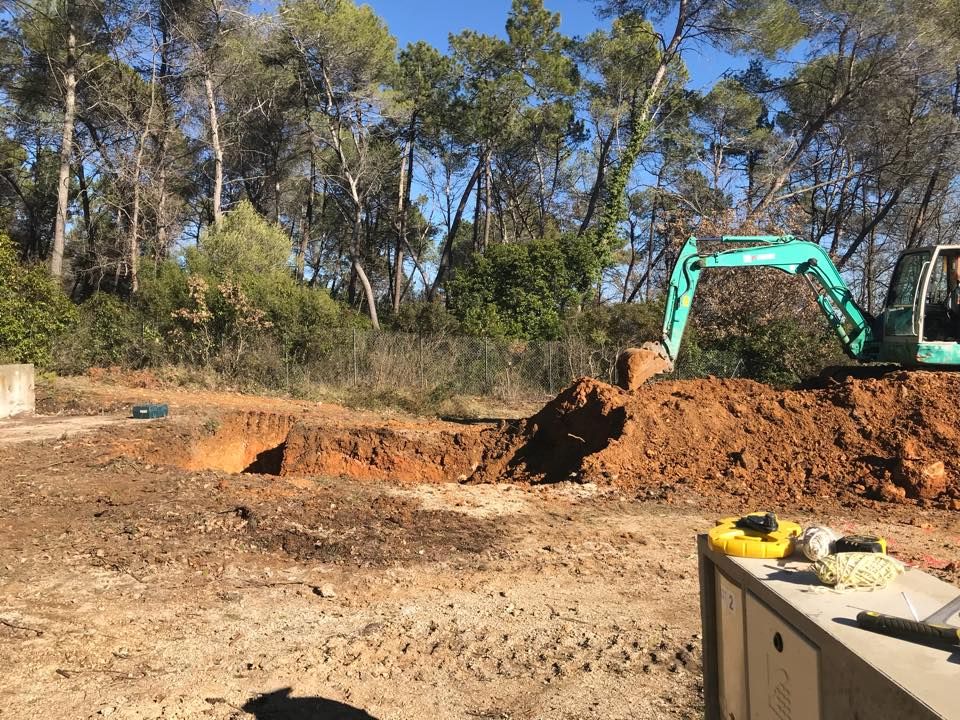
298, 315
111, 332
115, 330
429, 318
621, 325
234, 296
33, 310
163, 290
521, 290
244, 243
783, 353
778, 352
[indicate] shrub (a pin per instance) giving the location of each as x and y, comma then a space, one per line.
234, 295
33, 309
520, 290
622, 325
244, 243
430, 318
109, 332
299, 315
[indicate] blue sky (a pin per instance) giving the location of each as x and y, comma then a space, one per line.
434, 20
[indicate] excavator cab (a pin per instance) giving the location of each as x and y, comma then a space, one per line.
920, 324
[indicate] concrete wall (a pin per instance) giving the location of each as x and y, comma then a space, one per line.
16, 390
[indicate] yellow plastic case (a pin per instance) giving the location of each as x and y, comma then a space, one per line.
727, 538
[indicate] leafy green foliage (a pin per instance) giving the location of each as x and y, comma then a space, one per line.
33, 309
110, 332
113, 330
244, 243
235, 292
760, 26
622, 325
779, 352
351, 41
425, 317
523, 290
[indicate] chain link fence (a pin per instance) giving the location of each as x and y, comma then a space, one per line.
452, 364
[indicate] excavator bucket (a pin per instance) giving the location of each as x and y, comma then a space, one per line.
637, 365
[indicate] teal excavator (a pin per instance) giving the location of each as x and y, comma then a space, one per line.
919, 325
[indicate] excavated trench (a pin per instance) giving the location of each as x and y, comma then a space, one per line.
275, 444
243, 442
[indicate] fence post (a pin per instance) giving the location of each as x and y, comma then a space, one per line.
550, 366
356, 369
486, 365
423, 381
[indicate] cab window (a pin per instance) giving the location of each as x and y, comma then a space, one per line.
906, 279
937, 289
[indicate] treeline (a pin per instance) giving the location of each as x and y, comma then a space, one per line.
514, 180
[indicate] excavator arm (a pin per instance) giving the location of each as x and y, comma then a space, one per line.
786, 253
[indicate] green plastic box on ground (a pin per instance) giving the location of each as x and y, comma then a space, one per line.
149, 412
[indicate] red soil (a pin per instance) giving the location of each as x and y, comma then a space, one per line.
893, 438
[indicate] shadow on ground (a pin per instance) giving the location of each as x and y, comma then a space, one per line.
279, 705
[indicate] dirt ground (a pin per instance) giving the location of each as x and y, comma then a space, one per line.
265, 558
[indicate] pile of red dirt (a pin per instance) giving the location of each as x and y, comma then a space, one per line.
894, 437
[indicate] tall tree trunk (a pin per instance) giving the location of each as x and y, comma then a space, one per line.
306, 230
85, 204
541, 194
633, 261
476, 210
419, 267
644, 280
82, 280
868, 228
598, 181
276, 197
651, 234
217, 148
840, 215
405, 186
752, 156
641, 125
160, 251
166, 114
920, 218
318, 259
487, 182
306, 233
358, 268
868, 271
501, 219
66, 150
275, 184
447, 252
134, 238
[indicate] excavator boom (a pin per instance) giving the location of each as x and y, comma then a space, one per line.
786, 253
